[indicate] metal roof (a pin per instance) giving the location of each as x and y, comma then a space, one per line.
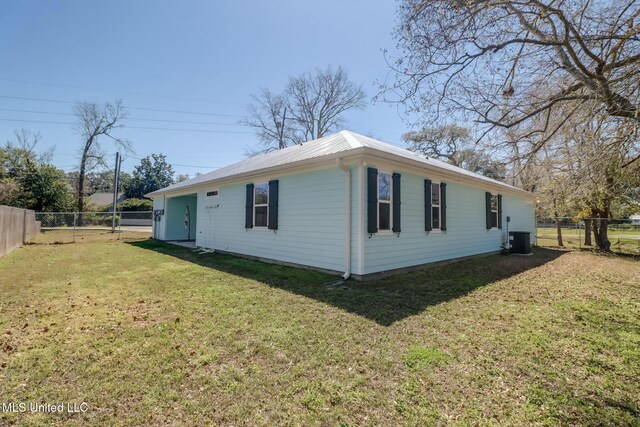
344, 142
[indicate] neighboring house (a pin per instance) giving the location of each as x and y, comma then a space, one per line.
102, 200
344, 203
635, 219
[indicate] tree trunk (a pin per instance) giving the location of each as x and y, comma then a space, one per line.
558, 229
81, 178
600, 234
587, 232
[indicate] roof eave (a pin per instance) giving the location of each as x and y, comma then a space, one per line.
292, 165
417, 163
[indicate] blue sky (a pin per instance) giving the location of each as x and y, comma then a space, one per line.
203, 57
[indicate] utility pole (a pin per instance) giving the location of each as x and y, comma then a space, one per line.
116, 172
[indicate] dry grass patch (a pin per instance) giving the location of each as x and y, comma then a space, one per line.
150, 334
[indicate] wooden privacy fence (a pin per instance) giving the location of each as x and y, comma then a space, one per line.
17, 226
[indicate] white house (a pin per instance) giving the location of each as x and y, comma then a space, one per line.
344, 203
635, 219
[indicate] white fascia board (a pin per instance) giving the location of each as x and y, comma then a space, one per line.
305, 165
419, 168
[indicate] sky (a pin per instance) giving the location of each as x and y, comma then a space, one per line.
197, 61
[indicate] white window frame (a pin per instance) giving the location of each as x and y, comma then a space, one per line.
496, 211
390, 202
439, 206
256, 205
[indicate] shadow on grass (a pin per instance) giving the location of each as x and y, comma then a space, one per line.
384, 301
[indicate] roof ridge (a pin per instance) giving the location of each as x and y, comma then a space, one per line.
351, 139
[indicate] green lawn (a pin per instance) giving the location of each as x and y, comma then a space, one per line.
151, 334
623, 241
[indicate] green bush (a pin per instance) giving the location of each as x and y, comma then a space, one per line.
136, 205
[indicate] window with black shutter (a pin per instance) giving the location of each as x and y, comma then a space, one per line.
395, 196
428, 223
443, 206
435, 205
261, 204
493, 208
248, 217
384, 201
273, 205
372, 200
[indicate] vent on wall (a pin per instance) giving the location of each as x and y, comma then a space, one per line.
212, 193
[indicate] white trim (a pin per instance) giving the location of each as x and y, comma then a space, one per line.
361, 217
497, 212
389, 202
358, 153
362, 154
256, 205
347, 237
439, 229
417, 168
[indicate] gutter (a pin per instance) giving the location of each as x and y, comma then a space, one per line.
347, 240
186, 188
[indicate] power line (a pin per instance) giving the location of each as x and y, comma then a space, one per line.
130, 127
116, 91
177, 164
58, 101
127, 118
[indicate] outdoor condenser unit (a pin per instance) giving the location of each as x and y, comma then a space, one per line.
520, 242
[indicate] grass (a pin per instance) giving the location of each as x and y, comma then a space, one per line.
86, 235
622, 241
152, 334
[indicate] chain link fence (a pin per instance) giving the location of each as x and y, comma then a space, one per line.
68, 227
624, 234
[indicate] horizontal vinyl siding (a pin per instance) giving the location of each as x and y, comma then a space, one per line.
466, 228
522, 216
311, 221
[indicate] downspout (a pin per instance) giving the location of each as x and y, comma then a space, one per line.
347, 240
361, 219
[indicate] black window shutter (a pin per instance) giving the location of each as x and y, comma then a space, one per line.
396, 202
487, 198
427, 205
273, 205
372, 200
443, 206
500, 211
248, 216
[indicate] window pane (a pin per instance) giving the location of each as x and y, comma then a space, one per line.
384, 186
384, 216
261, 216
435, 215
435, 194
494, 203
494, 219
261, 194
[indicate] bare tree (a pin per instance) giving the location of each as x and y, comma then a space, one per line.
94, 122
455, 145
590, 173
510, 63
311, 106
268, 116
